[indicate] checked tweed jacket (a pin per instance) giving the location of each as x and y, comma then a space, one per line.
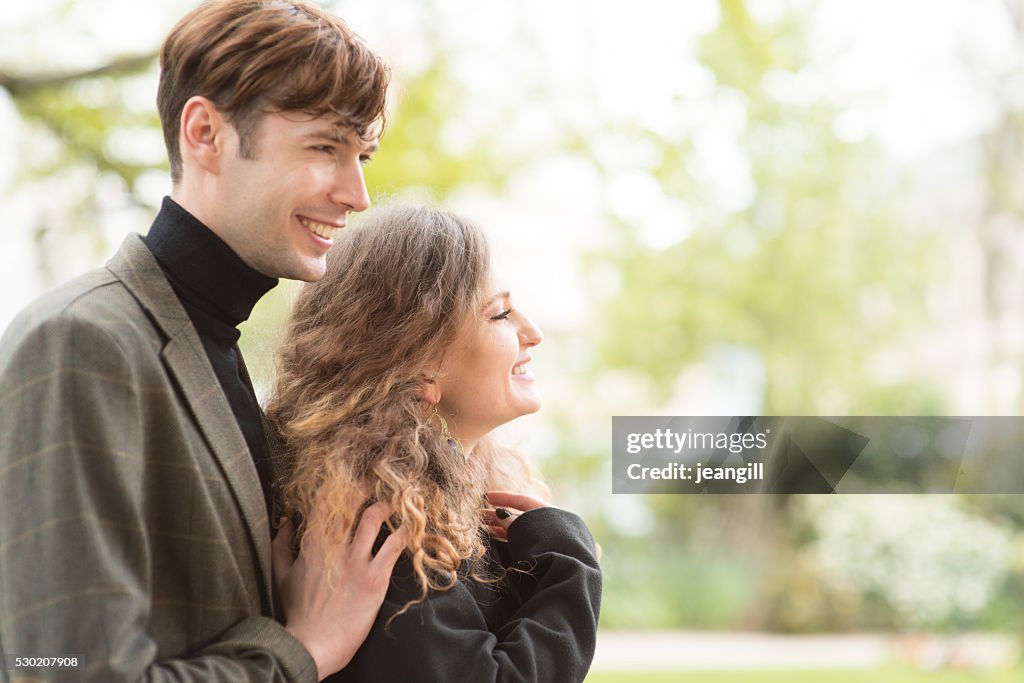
133, 531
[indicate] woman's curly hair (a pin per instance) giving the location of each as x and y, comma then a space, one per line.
360, 347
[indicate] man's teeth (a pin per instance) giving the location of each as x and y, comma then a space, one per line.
322, 229
519, 369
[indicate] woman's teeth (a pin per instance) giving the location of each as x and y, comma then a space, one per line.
519, 369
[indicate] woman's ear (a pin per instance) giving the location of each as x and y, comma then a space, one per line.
430, 391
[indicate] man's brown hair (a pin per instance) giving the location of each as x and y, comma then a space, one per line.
250, 57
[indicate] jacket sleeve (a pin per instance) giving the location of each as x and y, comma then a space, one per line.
75, 547
547, 632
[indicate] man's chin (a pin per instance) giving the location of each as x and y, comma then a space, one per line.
310, 270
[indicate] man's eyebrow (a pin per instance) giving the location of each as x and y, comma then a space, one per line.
331, 134
348, 136
341, 136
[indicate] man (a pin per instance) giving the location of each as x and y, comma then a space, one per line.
135, 469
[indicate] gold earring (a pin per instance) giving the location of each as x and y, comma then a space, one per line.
452, 441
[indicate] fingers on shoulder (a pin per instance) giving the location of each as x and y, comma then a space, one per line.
519, 501
392, 548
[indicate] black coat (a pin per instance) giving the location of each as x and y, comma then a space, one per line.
537, 625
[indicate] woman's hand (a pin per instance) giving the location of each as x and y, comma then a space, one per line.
507, 507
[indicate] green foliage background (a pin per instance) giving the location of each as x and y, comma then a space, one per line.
827, 268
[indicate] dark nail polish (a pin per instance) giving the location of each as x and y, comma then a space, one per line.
502, 513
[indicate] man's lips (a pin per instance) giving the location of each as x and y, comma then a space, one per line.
326, 230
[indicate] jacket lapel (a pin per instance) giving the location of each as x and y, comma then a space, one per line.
280, 462
187, 362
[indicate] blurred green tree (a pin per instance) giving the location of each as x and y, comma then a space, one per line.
818, 271
813, 264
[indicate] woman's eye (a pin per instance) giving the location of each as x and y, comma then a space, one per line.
503, 315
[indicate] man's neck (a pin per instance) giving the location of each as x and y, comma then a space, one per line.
204, 270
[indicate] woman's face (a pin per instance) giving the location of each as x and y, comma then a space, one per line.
485, 380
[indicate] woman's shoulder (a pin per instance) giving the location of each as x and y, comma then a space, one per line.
549, 529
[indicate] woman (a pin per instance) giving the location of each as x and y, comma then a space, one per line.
395, 368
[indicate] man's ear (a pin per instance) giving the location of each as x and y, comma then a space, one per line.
202, 134
430, 391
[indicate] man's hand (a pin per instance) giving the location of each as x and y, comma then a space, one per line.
332, 619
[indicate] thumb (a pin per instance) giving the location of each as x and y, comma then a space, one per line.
282, 557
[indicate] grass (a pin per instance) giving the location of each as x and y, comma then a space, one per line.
882, 675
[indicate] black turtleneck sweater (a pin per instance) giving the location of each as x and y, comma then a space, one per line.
218, 291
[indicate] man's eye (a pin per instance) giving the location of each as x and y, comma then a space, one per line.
365, 159
329, 149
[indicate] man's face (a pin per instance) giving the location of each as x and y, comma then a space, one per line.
280, 209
